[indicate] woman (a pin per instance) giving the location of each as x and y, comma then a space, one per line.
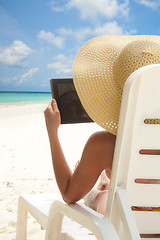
97, 156
104, 63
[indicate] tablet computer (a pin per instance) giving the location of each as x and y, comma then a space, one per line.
70, 107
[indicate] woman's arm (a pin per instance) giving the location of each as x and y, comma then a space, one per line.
60, 166
97, 156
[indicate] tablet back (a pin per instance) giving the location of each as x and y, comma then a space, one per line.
70, 107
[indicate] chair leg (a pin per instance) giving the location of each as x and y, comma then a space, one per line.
21, 229
54, 226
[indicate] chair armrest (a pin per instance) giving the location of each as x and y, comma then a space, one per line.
126, 214
98, 224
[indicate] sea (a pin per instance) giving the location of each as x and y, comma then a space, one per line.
24, 97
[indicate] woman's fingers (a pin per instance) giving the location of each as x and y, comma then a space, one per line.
52, 117
54, 105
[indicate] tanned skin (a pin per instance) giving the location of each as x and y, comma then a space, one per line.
96, 157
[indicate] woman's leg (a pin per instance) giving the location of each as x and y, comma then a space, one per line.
104, 181
101, 201
97, 197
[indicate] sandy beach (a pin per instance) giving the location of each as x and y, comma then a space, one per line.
25, 159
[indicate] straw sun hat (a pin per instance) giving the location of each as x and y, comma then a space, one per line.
101, 68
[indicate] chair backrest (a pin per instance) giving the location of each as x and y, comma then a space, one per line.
137, 151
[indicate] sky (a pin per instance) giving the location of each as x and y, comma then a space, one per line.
39, 39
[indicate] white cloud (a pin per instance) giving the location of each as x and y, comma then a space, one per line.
44, 83
28, 75
82, 33
62, 65
108, 28
154, 4
7, 80
19, 79
51, 38
65, 32
78, 34
14, 54
111, 28
132, 31
90, 9
56, 7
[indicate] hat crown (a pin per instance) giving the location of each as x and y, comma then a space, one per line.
135, 55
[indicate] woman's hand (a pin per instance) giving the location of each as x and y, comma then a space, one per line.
52, 117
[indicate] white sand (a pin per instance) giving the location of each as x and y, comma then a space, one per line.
25, 159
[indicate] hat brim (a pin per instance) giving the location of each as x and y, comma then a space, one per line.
94, 80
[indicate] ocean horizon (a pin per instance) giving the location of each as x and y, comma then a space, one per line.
20, 97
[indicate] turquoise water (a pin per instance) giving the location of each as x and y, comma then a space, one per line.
24, 97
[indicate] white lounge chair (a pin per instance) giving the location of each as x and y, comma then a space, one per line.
141, 101
139, 130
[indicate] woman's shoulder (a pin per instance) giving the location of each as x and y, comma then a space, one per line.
102, 137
